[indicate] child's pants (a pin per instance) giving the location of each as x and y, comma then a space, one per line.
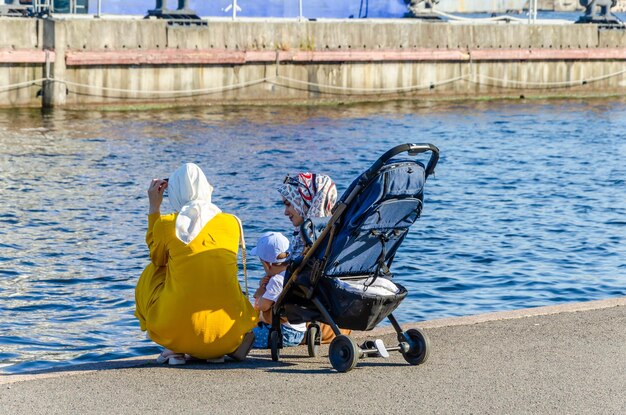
291, 337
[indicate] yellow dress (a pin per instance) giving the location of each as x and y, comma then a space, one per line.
188, 298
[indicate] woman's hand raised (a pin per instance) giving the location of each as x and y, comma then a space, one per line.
155, 195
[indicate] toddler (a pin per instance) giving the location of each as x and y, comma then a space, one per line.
272, 249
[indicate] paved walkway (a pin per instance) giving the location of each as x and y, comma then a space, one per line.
567, 359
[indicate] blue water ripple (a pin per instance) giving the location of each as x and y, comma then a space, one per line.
516, 216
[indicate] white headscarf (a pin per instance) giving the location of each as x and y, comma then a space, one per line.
190, 195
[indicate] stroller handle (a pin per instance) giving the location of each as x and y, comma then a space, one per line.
413, 150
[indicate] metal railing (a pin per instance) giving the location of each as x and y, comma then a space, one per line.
73, 6
233, 9
41, 6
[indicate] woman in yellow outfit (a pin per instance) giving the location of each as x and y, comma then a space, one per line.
188, 298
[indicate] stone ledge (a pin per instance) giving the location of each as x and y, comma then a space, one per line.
233, 57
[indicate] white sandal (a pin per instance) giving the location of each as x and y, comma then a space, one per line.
171, 358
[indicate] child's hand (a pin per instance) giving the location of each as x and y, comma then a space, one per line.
262, 285
264, 281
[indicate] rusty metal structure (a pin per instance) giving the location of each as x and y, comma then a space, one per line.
182, 15
599, 12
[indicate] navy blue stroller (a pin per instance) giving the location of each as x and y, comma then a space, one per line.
344, 278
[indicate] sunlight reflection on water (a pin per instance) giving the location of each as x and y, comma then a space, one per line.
526, 209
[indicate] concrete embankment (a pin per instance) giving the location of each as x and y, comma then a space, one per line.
73, 62
568, 359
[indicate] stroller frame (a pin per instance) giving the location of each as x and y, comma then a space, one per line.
344, 353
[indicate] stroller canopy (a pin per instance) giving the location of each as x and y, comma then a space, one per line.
377, 218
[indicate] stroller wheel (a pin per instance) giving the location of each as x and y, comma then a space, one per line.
343, 353
274, 340
420, 347
313, 340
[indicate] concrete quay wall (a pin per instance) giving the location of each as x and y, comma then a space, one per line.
22, 60
73, 62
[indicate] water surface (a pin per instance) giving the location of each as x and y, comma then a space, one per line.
527, 207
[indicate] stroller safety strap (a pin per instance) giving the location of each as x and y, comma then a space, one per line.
380, 261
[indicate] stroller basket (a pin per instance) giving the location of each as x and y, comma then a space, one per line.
357, 305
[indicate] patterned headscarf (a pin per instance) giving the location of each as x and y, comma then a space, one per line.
312, 196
